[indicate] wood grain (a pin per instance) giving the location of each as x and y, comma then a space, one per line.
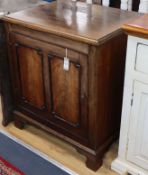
87, 23
31, 77
138, 27
65, 90
5, 85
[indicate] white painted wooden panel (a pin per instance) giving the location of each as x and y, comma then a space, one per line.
138, 134
124, 4
143, 7
130, 2
88, 1
142, 58
106, 3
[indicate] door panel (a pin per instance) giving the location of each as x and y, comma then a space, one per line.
65, 91
69, 94
141, 63
28, 77
31, 76
138, 136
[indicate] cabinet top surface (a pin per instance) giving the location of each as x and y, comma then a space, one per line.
77, 20
138, 27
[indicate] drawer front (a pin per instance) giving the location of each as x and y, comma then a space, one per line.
141, 63
50, 38
47, 91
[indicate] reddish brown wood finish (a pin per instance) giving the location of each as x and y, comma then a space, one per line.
5, 83
81, 105
31, 77
51, 54
81, 22
65, 90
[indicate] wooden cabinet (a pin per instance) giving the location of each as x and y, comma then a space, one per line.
133, 147
67, 73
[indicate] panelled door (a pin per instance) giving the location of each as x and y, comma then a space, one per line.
27, 71
50, 88
138, 134
69, 92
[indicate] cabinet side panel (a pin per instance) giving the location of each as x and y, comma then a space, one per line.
109, 63
111, 81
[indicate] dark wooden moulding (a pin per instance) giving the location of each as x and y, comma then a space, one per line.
81, 106
5, 85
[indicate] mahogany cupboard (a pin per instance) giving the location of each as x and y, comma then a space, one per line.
66, 64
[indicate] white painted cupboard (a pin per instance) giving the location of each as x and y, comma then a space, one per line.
133, 146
